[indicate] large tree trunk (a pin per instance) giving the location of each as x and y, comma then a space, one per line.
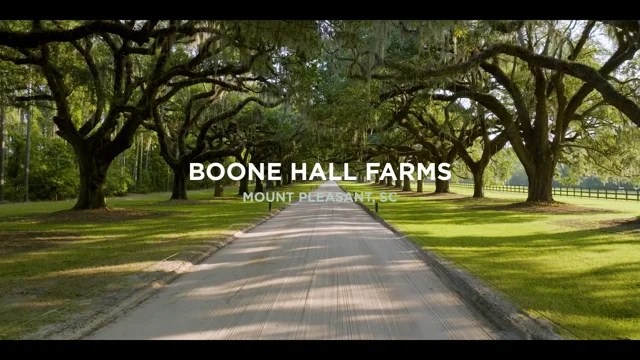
2, 119
259, 187
442, 186
389, 181
406, 184
399, 179
243, 187
419, 186
93, 179
218, 189
269, 184
179, 184
478, 182
278, 183
541, 183
287, 178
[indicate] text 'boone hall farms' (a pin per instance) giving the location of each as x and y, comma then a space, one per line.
217, 171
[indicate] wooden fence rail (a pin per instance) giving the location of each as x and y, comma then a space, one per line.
608, 194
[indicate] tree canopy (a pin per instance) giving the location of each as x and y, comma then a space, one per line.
99, 108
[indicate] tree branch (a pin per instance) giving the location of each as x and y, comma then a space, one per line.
36, 39
581, 71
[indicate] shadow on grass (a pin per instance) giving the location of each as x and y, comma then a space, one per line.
111, 254
555, 208
561, 274
97, 255
585, 278
622, 225
431, 212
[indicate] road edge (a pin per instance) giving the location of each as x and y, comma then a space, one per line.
494, 307
83, 329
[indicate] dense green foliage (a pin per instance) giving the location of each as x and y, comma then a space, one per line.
124, 107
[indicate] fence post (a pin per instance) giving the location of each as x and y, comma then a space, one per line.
574, 191
626, 194
598, 193
580, 192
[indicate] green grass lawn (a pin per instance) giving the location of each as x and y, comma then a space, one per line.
576, 264
57, 266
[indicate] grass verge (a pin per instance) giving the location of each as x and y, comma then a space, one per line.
574, 263
59, 266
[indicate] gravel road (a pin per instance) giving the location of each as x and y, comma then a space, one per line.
315, 271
